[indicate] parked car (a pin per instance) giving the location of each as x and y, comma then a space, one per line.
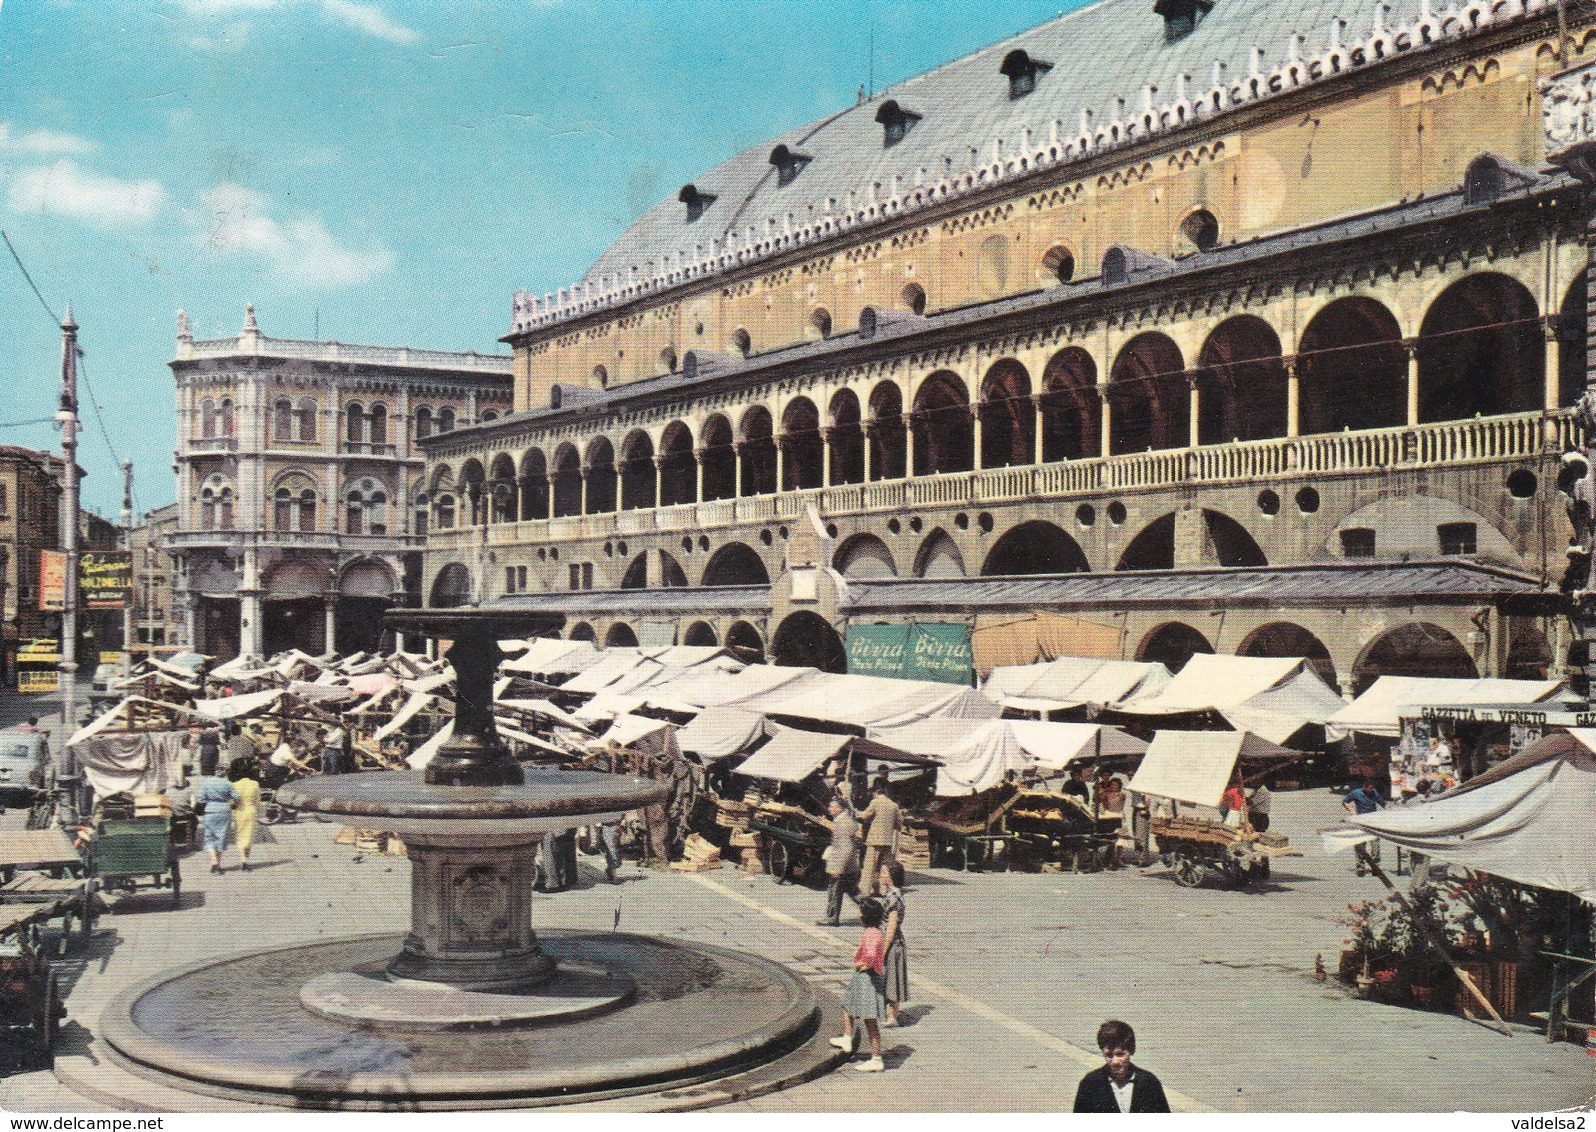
24, 763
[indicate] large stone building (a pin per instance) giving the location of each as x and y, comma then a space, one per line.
300, 484
1160, 328
157, 623
30, 521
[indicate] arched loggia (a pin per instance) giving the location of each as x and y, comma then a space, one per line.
944, 432
847, 439
678, 471
758, 452
1071, 410
1008, 416
1481, 351
1241, 382
886, 435
637, 471
719, 457
803, 455
1352, 368
1151, 401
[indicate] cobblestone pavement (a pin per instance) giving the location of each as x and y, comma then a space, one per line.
1013, 974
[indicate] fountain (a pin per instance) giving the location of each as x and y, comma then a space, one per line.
471, 1008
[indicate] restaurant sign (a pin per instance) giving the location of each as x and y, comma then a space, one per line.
105, 578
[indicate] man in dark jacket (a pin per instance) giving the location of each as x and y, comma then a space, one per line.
1119, 1086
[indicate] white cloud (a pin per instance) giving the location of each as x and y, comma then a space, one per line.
43, 141
65, 189
368, 19
205, 9
239, 223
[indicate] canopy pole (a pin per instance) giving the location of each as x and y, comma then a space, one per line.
1439, 944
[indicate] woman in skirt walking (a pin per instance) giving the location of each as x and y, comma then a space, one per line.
865, 1000
897, 959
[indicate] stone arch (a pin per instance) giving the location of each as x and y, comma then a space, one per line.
1153, 548
502, 486
368, 577
1481, 350
582, 631
1072, 413
939, 557
620, 636
944, 430
1008, 416
567, 481
1152, 406
803, 454
744, 642
1572, 342
1415, 649
451, 587
886, 434
599, 465
637, 471
534, 484
442, 478
283, 419
719, 457
1285, 639
736, 564
1241, 380
847, 438
1036, 547
700, 634
296, 577
636, 576
864, 556
671, 574
1172, 644
758, 451
1352, 368
806, 639
1225, 543
678, 472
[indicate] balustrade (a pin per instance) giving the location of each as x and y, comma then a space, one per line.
1443, 443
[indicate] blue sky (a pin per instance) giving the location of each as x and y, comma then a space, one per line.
397, 169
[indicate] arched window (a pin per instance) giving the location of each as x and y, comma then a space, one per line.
225, 506
283, 510
446, 419
377, 424
2, 499
366, 509
307, 420
741, 342
307, 509
207, 418
445, 512
207, 509
490, 415
355, 423
226, 423
820, 320
294, 503
283, 420
216, 503
423, 423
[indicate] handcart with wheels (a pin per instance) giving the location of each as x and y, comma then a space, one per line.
30, 999
129, 851
795, 841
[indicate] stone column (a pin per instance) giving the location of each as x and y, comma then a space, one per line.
330, 623
191, 604
698, 473
659, 481
550, 477
869, 434
1293, 398
1551, 325
1194, 402
1105, 442
1411, 345
781, 463
825, 456
977, 435
1036, 429
908, 446
251, 632
582, 510
739, 452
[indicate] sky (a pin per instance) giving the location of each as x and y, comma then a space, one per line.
372, 172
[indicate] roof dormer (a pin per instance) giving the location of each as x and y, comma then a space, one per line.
789, 163
695, 201
1181, 17
896, 121
1022, 72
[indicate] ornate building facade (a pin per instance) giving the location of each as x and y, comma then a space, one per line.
1261, 336
30, 521
301, 509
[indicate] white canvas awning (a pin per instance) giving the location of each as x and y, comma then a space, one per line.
236, 707
978, 754
1378, 711
423, 754
1196, 766
793, 755
1271, 696
548, 711
871, 701
718, 733
404, 715
628, 729
546, 656
1528, 819
698, 689
1071, 681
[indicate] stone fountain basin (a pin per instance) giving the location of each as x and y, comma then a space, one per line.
400, 801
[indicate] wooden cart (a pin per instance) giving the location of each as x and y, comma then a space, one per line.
126, 850
1007, 827
795, 841
1199, 850
30, 1000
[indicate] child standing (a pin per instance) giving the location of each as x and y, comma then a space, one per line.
866, 997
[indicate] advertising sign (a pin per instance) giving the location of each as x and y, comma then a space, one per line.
911, 652
105, 578
52, 581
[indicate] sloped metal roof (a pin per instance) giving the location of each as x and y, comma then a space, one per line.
1337, 584
710, 599
1102, 56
